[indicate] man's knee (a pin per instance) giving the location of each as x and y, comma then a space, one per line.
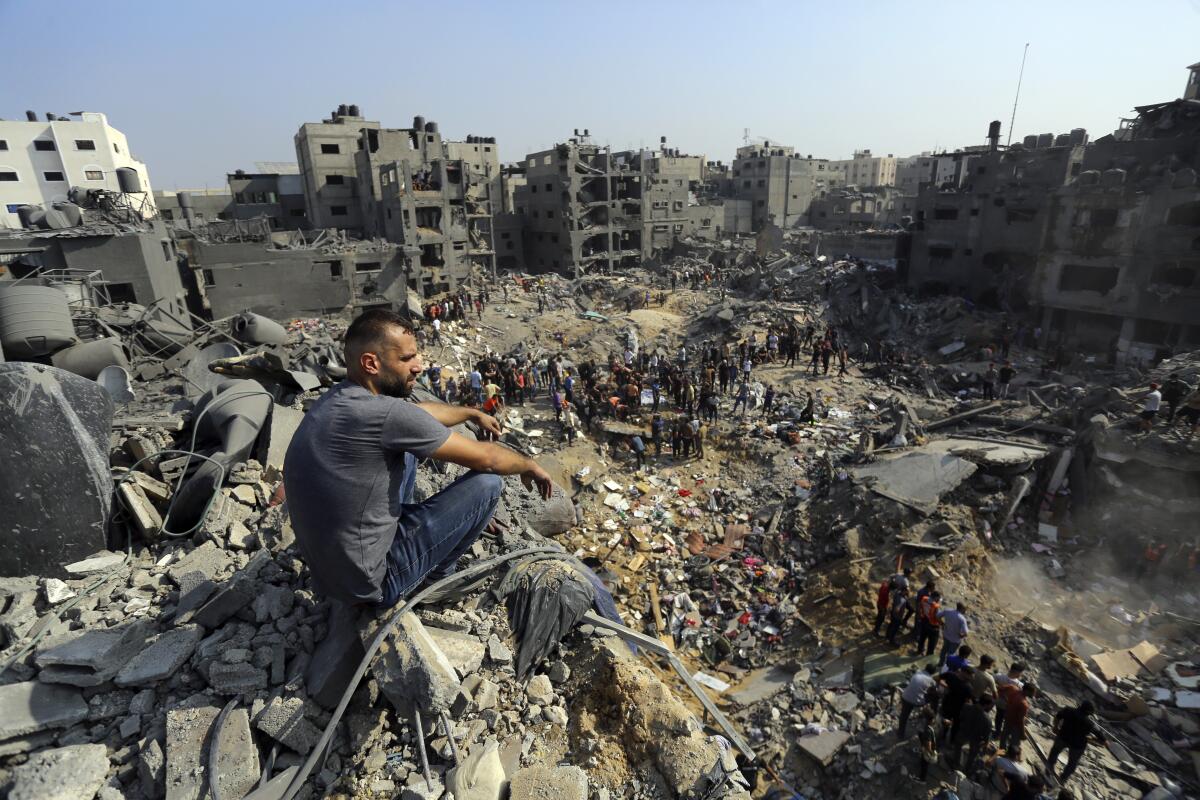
489, 485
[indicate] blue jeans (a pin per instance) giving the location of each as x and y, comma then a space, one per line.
949, 648
432, 535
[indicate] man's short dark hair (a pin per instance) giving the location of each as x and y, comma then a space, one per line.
367, 330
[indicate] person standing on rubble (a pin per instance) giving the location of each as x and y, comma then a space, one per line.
1150, 406
974, 725
1006, 374
958, 691
899, 604
697, 431
882, 599
1175, 388
656, 434
928, 625
826, 353
639, 450
742, 399
1016, 712
1073, 730
954, 629
768, 399
922, 593
1190, 412
1011, 678
352, 464
989, 382
983, 682
927, 752
914, 696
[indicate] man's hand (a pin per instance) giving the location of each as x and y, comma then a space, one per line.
489, 423
536, 476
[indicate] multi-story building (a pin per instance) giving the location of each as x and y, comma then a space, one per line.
854, 209
581, 207
865, 170
276, 193
779, 184
185, 208
41, 160
325, 152
913, 172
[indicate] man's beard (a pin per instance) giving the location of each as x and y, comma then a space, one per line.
394, 386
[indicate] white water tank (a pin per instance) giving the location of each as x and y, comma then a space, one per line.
35, 320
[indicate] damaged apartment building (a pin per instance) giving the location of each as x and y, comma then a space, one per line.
774, 184
1102, 238
584, 208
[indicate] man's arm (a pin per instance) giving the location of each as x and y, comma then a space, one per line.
450, 416
493, 458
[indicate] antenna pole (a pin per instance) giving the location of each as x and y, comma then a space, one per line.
1020, 77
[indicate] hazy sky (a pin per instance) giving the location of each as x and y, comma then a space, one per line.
204, 88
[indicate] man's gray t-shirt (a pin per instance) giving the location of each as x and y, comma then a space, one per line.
343, 474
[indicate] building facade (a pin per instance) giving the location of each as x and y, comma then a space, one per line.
40, 160
779, 184
325, 153
865, 170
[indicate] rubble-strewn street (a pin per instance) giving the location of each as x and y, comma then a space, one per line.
192, 657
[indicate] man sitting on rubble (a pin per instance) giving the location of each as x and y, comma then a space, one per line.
351, 466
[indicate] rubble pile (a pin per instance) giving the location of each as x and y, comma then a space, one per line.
188, 655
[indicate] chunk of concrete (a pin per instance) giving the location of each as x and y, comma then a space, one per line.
551, 517
95, 565
549, 783
280, 429
233, 595
760, 684
480, 776
540, 690
823, 747
188, 745
32, 706
464, 651
412, 669
207, 559
152, 766
335, 657
61, 773
284, 721
92, 657
240, 678
160, 660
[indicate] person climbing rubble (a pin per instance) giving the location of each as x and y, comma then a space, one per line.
1073, 729
351, 467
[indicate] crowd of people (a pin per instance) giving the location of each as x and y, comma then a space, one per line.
972, 714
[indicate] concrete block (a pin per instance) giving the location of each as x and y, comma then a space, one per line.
152, 765
233, 595
549, 783
92, 657
280, 430
161, 659
31, 707
61, 773
188, 739
236, 678
335, 657
824, 746
540, 690
759, 684
95, 565
411, 668
464, 651
207, 559
284, 721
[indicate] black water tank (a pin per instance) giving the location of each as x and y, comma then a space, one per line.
343, 110
418, 123
994, 129
354, 111
128, 180
431, 127
31, 116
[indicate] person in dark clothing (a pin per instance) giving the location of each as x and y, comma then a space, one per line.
816, 357
974, 729
656, 434
1174, 389
1006, 374
1073, 729
926, 743
958, 689
1029, 789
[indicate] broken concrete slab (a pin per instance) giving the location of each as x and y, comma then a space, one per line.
917, 479
162, 658
30, 707
61, 773
281, 427
411, 668
549, 783
759, 684
887, 669
96, 564
92, 657
152, 766
464, 651
207, 559
231, 596
284, 721
238, 678
823, 747
187, 765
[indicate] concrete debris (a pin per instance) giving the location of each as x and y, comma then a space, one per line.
284, 721
61, 773
31, 706
549, 783
162, 658
188, 737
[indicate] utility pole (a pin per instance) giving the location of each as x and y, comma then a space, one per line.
1017, 97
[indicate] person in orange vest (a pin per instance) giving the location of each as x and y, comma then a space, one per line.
881, 604
928, 625
1151, 558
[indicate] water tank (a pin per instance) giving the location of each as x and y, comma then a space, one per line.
72, 212
55, 220
994, 129
184, 199
354, 111
78, 195
418, 123
1062, 140
1078, 136
87, 359
31, 116
25, 215
1045, 140
431, 127
491, 140
50, 117
1030, 141
128, 180
343, 110
35, 320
